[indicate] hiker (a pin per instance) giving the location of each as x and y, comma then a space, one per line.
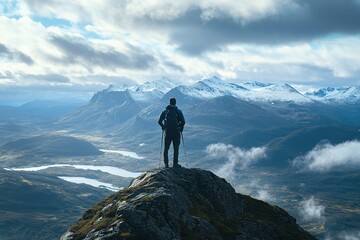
172, 121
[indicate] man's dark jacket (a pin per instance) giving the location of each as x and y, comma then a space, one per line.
180, 119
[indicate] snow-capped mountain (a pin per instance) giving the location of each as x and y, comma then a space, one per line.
146, 92
336, 95
253, 91
211, 88
118, 87
249, 91
255, 84
265, 92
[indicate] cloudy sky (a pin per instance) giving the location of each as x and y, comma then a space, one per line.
73, 48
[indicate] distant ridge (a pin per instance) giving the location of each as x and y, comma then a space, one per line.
254, 91
51, 146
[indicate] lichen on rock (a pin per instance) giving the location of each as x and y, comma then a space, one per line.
180, 203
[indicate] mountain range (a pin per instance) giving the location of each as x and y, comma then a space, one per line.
249, 91
116, 105
212, 106
286, 123
234, 117
341, 95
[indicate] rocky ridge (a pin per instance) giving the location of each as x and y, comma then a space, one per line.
180, 203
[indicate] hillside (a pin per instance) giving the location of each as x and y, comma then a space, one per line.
285, 149
51, 146
39, 206
180, 203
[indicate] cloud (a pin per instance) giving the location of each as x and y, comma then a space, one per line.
13, 55
294, 41
214, 25
54, 78
311, 210
236, 157
325, 157
79, 51
157, 9
254, 185
6, 75
264, 195
42, 90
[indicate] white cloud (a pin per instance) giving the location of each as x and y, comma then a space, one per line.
158, 9
246, 11
256, 187
29, 38
136, 29
325, 157
311, 210
236, 157
92, 10
293, 61
264, 195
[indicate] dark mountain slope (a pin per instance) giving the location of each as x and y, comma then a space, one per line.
230, 113
51, 146
179, 203
104, 110
299, 142
39, 206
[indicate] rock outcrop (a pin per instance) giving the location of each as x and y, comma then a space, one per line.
179, 203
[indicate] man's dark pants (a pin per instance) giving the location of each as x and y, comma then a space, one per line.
172, 135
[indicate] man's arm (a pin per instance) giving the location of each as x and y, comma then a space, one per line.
182, 120
161, 119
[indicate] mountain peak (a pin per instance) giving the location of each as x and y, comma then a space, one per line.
162, 85
180, 203
118, 87
213, 79
256, 84
336, 95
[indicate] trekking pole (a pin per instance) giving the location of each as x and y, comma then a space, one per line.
162, 140
182, 137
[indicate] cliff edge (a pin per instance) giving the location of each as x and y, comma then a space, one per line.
180, 203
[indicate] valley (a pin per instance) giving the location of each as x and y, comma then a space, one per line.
115, 136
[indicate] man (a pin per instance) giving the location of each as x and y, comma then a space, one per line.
172, 121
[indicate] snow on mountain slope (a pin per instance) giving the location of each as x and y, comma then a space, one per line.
153, 90
210, 88
265, 92
336, 95
253, 91
118, 87
255, 84
146, 92
249, 91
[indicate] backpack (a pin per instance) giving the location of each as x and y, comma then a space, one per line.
171, 118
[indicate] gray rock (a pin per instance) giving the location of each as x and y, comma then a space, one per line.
180, 203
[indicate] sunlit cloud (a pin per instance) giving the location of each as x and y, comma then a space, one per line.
237, 158
326, 157
311, 210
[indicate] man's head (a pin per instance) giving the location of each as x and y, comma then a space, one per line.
172, 101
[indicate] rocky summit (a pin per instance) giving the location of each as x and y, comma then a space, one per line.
180, 203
